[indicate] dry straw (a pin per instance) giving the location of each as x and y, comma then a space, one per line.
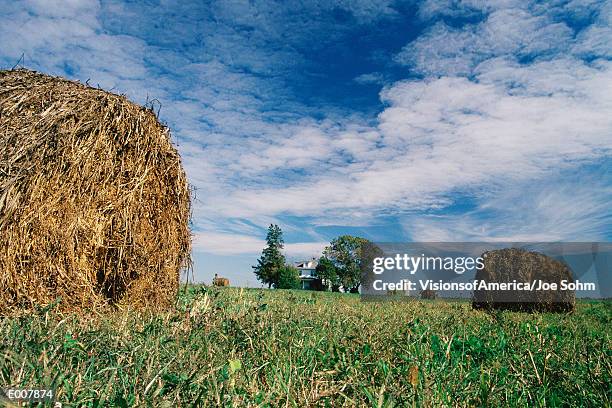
512, 264
94, 203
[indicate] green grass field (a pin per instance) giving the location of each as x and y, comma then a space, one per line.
233, 347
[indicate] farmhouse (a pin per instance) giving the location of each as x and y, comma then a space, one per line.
308, 274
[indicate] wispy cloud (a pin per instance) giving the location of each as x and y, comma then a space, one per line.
444, 134
573, 207
372, 78
490, 122
494, 96
238, 244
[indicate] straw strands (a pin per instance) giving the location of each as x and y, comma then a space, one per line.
94, 202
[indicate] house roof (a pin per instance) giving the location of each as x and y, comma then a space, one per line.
311, 264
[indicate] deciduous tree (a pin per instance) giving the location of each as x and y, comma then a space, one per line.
326, 271
288, 278
345, 253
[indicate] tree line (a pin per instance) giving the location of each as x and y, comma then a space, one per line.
339, 267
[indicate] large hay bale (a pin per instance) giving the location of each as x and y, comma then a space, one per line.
94, 203
511, 264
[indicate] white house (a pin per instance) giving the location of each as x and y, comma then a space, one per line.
308, 273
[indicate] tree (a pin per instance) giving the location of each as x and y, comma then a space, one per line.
271, 259
345, 253
327, 272
288, 278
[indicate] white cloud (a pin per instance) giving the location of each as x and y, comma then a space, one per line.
237, 244
375, 78
305, 249
444, 50
507, 124
572, 208
450, 134
479, 121
595, 41
227, 244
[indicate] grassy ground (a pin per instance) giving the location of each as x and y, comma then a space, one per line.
235, 347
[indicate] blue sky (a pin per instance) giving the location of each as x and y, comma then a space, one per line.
435, 120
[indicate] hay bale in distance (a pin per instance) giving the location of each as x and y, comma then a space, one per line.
508, 265
428, 294
94, 202
220, 281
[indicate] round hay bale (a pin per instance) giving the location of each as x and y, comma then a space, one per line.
94, 202
428, 294
511, 264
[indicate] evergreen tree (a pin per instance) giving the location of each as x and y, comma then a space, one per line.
271, 259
